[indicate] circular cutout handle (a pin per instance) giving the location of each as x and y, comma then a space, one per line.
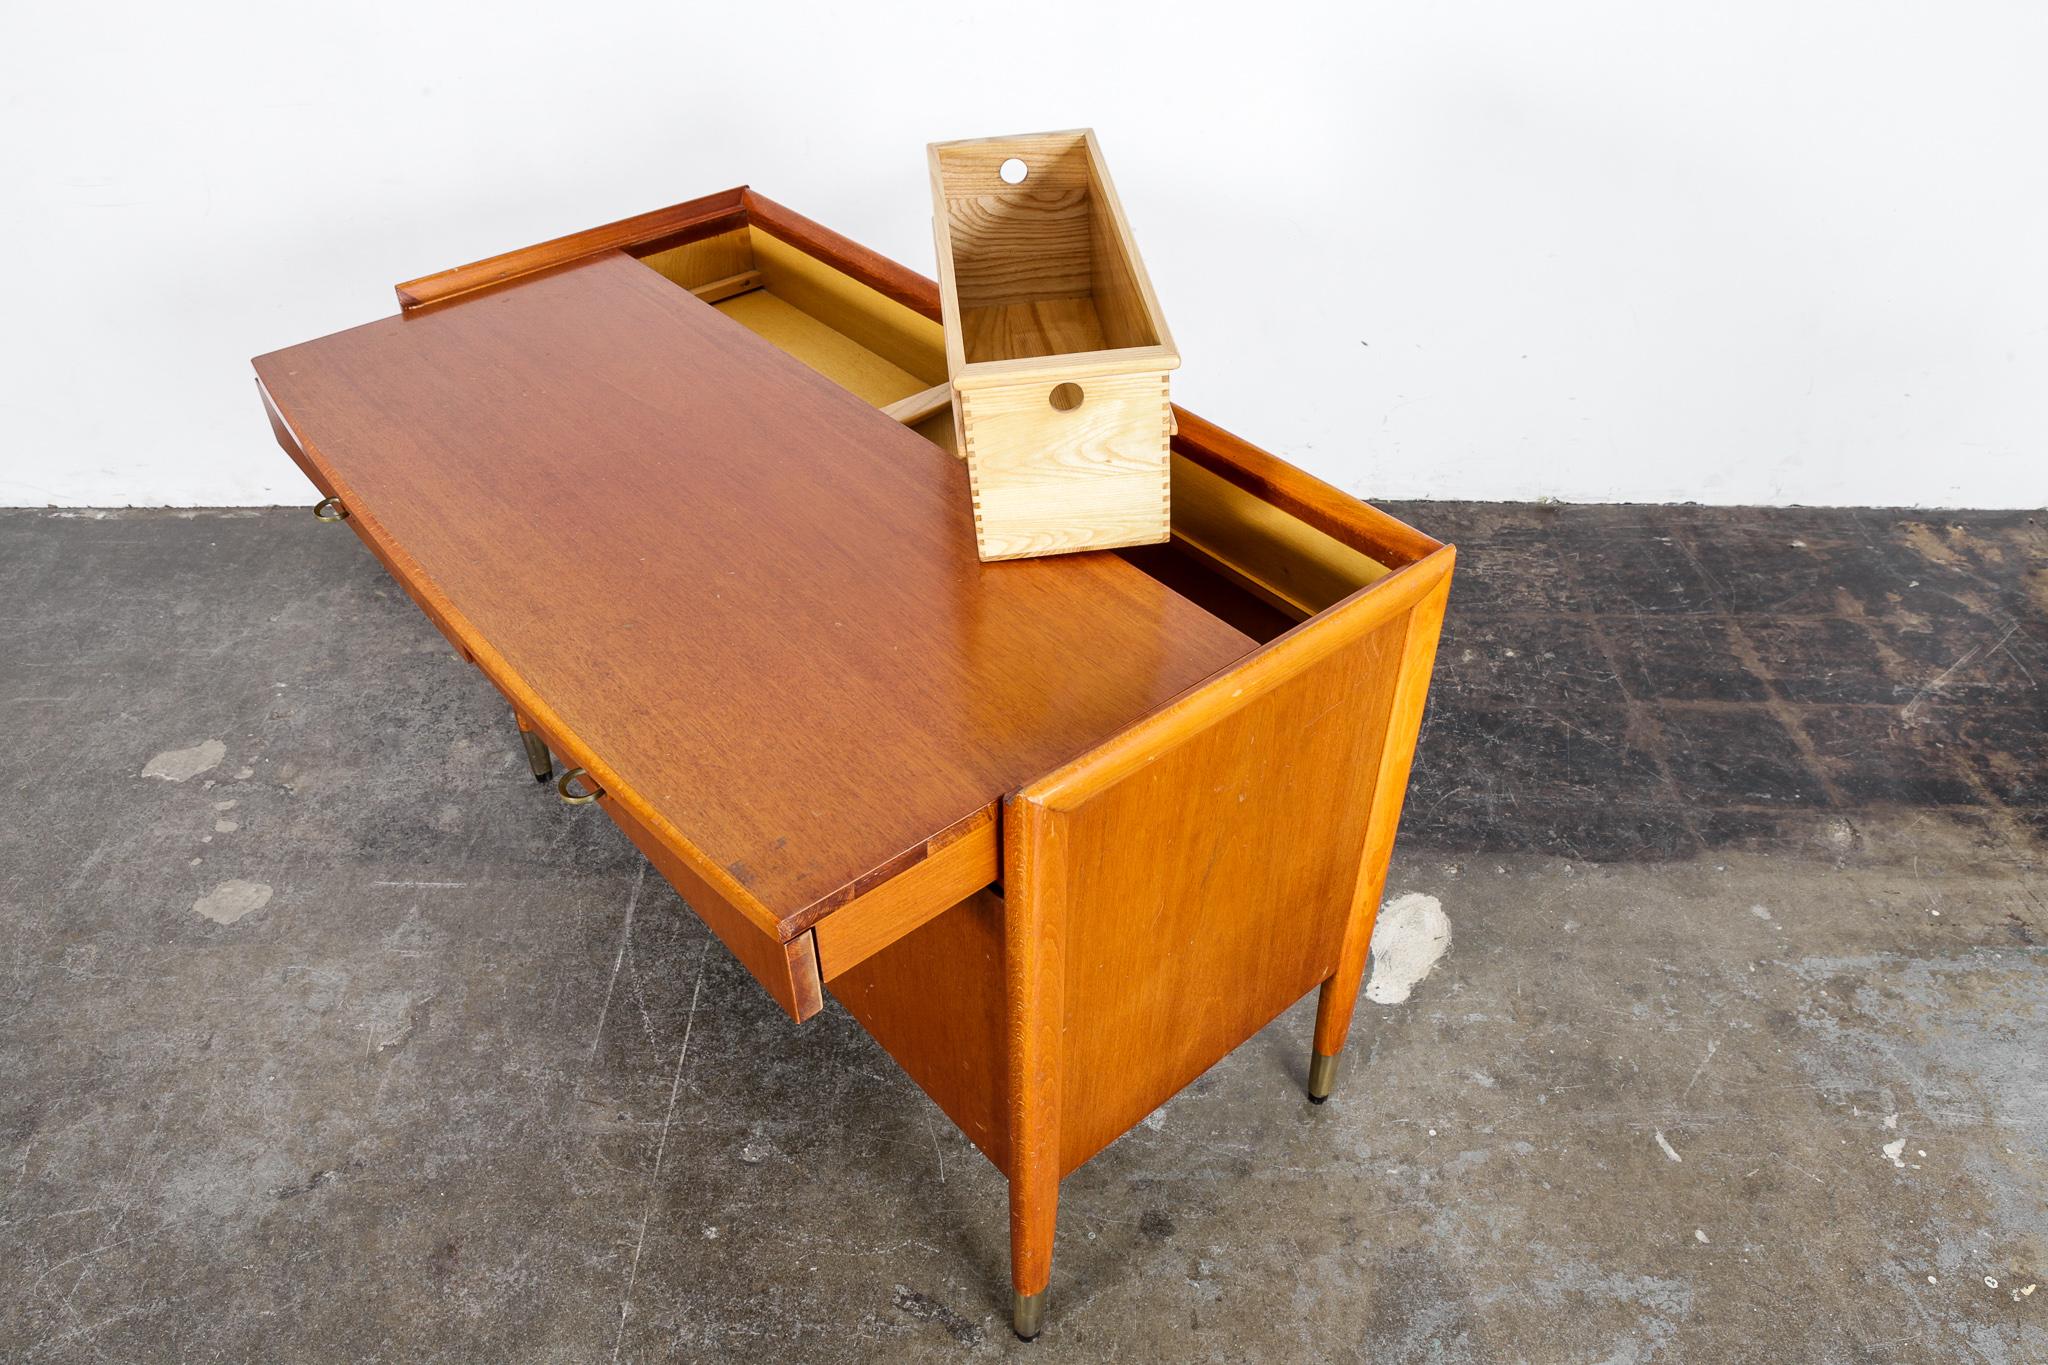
1013, 170
591, 791
330, 509
1065, 397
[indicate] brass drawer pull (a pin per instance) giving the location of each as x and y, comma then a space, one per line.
591, 791
330, 509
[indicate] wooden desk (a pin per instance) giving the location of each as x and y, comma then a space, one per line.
678, 488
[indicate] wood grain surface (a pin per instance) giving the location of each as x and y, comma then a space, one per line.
1020, 244
830, 352
1177, 881
751, 598
1048, 482
1339, 995
1052, 328
934, 1000
949, 874
1035, 327
1172, 891
1260, 789
1298, 493
703, 216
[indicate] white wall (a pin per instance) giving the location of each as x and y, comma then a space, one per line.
1591, 249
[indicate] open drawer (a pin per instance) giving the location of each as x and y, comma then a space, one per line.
795, 969
1255, 540
1241, 546
887, 353
1255, 543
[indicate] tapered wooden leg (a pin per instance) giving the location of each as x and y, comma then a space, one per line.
1340, 992
537, 757
1339, 995
1034, 1204
1034, 969
1334, 1006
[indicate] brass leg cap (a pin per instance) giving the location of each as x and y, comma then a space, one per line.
1322, 1077
1027, 1314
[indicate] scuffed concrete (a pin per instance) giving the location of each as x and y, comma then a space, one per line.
473, 1085
181, 765
231, 900
1411, 933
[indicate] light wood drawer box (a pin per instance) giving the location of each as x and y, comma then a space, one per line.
1055, 345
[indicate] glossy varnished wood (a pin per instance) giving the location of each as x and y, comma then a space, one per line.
1298, 493
718, 227
1175, 877
695, 218
968, 861
1247, 913
935, 1000
1423, 628
748, 600
1263, 785
787, 969
859, 263
1175, 889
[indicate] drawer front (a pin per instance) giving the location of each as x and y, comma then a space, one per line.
963, 864
794, 970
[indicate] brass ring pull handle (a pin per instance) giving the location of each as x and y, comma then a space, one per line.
330, 509
591, 791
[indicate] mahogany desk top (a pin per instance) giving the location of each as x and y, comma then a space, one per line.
752, 593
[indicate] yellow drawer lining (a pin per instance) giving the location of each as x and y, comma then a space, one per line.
886, 351
831, 353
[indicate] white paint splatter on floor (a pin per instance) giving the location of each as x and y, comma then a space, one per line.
230, 901
1665, 1145
1759, 912
1895, 1152
178, 765
1412, 933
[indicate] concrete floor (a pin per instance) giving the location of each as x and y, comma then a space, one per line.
326, 1035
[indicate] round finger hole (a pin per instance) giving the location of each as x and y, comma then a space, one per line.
1012, 171
1066, 397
